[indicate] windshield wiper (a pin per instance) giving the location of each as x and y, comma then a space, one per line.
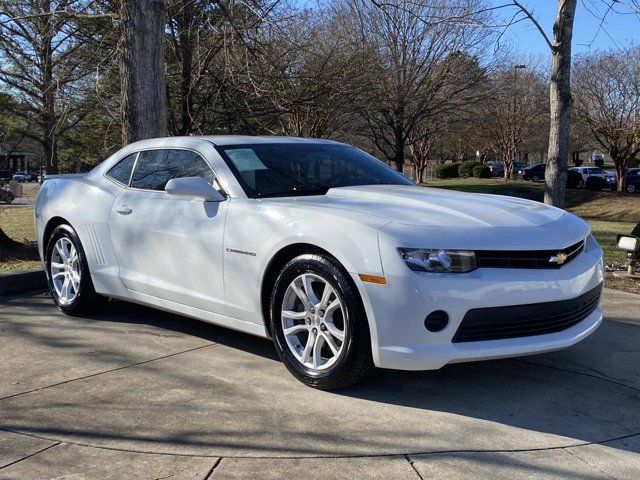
298, 190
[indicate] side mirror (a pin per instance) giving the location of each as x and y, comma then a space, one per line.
193, 187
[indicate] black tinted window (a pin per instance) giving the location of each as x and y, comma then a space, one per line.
121, 172
284, 169
156, 167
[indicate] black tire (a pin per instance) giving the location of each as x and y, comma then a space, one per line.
580, 184
535, 178
86, 300
631, 188
354, 361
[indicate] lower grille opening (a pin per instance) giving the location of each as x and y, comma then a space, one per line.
498, 323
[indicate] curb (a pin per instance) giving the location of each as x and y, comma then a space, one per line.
22, 281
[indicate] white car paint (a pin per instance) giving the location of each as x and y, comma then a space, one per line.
208, 260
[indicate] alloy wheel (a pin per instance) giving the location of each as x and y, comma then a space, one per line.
65, 271
313, 321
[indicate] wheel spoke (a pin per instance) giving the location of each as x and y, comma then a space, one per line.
326, 294
333, 330
57, 265
64, 293
308, 289
308, 348
62, 252
58, 275
295, 330
331, 309
317, 351
290, 314
331, 342
302, 296
75, 281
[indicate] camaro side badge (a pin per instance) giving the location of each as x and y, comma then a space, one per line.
560, 258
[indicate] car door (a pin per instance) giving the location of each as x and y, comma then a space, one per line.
169, 246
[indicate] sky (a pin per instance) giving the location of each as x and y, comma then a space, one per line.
618, 30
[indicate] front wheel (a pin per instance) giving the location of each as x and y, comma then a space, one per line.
631, 188
319, 326
535, 178
68, 274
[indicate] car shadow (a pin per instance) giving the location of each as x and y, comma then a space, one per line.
587, 393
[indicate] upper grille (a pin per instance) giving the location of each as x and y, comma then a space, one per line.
526, 258
498, 323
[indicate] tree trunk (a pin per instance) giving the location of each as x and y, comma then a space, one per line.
48, 115
621, 173
185, 23
560, 105
142, 70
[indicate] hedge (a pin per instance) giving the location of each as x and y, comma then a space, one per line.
466, 168
481, 171
447, 170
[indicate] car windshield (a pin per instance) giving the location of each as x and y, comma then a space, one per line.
292, 169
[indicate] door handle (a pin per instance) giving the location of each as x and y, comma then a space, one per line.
124, 209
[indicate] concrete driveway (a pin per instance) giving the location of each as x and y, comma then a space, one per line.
137, 393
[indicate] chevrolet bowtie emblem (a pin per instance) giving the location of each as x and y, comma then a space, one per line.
560, 258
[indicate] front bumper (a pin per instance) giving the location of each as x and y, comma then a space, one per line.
398, 310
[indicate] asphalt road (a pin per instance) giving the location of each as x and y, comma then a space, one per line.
137, 393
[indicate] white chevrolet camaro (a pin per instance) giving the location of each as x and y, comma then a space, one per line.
341, 260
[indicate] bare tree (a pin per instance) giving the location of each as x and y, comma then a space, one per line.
607, 91
510, 112
424, 64
40, 53
142, 69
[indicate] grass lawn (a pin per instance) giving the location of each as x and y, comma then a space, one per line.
609, 213
17, 223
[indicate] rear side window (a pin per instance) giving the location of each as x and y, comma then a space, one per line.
156, 167
121, 172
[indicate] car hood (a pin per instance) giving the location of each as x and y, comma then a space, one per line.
434, 207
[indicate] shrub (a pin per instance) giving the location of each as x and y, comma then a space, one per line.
447, 170
599, 162
573, 179
481, 171
465, 169
595, 183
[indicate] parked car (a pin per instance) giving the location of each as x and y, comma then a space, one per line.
21, 177
632, 181
534, 172
338, 258
497, 168
587, 172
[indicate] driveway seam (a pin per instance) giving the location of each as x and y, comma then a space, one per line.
575, 455
64, 382
413, 466
207, 476
29, 456
576, 372
302, 457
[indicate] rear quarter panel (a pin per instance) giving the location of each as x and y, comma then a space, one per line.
85, 205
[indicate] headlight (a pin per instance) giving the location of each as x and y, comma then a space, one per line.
438, 260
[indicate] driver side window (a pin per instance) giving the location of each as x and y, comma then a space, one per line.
156, 167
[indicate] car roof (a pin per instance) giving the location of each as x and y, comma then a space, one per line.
224, 140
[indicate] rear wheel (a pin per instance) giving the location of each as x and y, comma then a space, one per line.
68, 275
631, 188
535, 178
319, 327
